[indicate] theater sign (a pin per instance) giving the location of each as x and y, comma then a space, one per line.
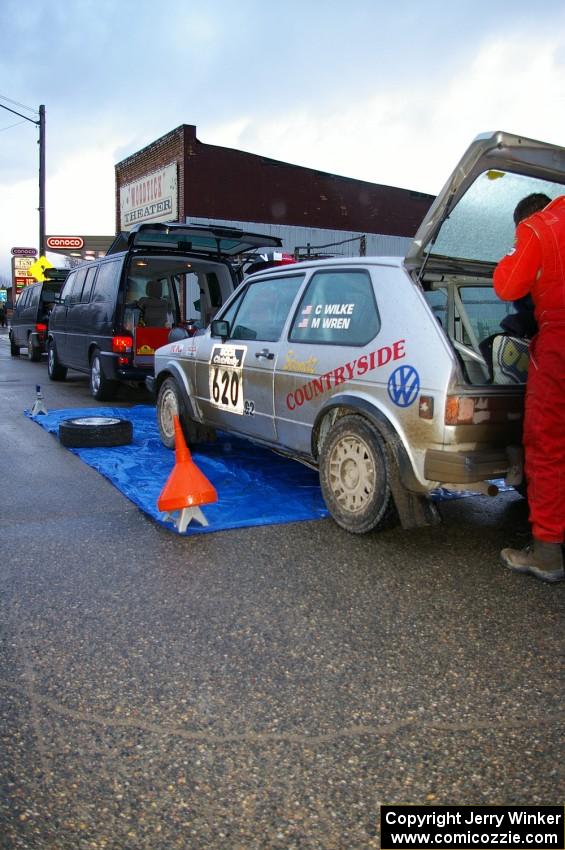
152, 198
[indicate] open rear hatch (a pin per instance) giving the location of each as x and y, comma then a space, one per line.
467, 230
167, 259
213, 242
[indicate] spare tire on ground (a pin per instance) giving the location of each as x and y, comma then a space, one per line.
88, 432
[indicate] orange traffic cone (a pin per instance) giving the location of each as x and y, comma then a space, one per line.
186, 489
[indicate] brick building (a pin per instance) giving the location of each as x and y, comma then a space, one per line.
179, 178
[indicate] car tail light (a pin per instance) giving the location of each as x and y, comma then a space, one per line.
476, 410
40, 327
122, 344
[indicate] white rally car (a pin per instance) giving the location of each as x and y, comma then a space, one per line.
390, 375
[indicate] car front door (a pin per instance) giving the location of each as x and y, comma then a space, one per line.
78, 318
18, 319
58, 319
235, 376
73, 320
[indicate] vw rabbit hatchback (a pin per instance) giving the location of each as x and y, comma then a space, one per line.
392, 376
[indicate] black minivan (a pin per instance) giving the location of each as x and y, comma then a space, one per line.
28, 327
114, 313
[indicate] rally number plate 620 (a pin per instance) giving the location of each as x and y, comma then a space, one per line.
226, 377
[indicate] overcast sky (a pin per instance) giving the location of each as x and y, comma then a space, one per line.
389, 92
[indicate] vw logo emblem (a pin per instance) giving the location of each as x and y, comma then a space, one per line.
403, 386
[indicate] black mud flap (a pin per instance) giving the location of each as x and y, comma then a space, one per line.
414, 511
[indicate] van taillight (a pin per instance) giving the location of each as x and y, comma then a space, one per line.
122, 344
40, 327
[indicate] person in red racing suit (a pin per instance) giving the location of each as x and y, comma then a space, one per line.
536, 266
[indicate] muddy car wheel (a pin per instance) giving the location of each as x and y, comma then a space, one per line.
168, 406
95, 432
354, 476
170, 402
55, 371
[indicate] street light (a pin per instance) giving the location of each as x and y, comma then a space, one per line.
41, 208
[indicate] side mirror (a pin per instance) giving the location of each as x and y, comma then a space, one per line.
220, 328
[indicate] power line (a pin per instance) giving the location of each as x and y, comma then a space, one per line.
41, 124
9, 127
16, 103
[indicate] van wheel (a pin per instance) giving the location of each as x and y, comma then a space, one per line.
14, 349
95, 432
55, 371
100, 387
170, 402
354, 476
33, 352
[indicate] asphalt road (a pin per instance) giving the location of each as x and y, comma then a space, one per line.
263, 688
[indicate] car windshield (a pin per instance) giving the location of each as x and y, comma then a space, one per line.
481, 226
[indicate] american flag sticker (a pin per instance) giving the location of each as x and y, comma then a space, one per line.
307, 310
303, 323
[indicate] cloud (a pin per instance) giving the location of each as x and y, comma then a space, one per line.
406, 130
79, 200
412, 137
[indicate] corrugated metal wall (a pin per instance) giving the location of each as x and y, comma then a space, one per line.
322, 241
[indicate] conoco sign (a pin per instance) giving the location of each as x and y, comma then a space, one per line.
65, 242
24, 252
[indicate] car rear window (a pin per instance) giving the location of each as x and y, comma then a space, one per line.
49, 292
338, 308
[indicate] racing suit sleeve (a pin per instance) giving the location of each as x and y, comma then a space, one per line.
516, 273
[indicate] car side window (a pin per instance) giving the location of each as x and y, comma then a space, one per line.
33, 298
228, 314
77, 286
264, 308
87, 288
67, 289
484, 309
338, 308
21, 302
437, 299
107, 280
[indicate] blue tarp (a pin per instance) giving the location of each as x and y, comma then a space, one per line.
255, 486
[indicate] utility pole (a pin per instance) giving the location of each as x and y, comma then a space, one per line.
41, 180
41, 142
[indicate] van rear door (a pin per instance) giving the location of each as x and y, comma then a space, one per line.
214, 243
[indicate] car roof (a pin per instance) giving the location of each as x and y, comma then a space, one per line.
328, 263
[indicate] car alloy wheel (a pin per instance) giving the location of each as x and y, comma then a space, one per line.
354, 476
101, 388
